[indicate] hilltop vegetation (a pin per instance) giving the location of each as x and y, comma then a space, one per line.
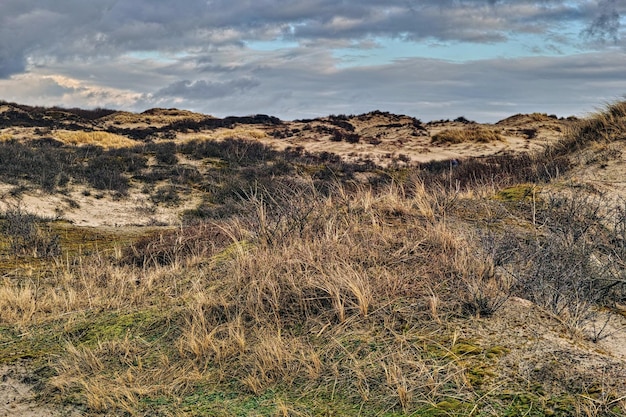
307, 283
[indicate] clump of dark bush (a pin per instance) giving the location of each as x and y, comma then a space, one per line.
339, 136
500, 169
169, 247
108, 170
86, 114
166, 195
529, 133
46, 166
462, 119
165, 153
106, 173
153, 175
342, 122
27, 236
50, 117
145, 134
46, 143
571, 263
233, 151
185, 175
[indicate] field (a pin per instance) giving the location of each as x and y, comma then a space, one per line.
171, 264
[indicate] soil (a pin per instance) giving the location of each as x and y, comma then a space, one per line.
19, 399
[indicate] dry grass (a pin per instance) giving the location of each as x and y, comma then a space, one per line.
105, 139
303, 310
156, 117
346, 301
310, 311
471, 134
605, 126
238, 132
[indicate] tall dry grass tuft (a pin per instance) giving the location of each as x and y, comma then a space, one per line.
18, 303
105, 139
115, 375
331, 294
605, 126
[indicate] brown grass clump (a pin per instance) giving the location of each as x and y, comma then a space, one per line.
104, 139
471, 134
605, 126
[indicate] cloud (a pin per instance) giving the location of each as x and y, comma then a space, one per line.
11, 63
203, 89
605, 26
305, 85
59, 90
38, 30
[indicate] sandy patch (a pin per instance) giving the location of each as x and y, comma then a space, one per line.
97, 209
18, 398
542, 349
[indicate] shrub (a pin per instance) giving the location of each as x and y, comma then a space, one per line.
570, 267
27, 237
167, 195
176, 246
106, 173
166, 153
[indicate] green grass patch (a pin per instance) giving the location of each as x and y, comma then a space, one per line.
150, 325
520, 192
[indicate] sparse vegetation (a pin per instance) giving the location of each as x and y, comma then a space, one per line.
306, 285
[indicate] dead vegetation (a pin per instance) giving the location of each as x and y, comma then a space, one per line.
436, 290
104, 139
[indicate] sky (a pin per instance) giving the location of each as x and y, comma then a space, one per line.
294, 59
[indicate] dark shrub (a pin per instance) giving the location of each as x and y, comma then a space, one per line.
170, 247
27, 237
166, 153
166, 195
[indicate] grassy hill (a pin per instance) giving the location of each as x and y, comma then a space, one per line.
305, 283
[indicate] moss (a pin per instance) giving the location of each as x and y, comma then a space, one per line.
230, 251
529, 404
448, 407
495, 351
521, 192
230, 401
466, 348
147, 324
478, 375
74, 242
36, 345
79, 241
